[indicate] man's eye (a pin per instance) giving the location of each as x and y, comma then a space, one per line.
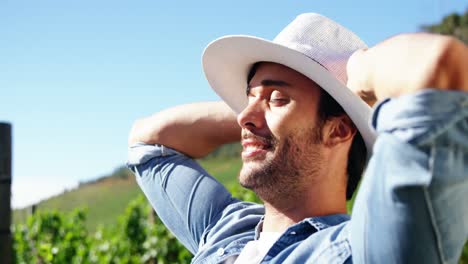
277, 98
279, 101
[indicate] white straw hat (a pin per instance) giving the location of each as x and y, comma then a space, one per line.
312, 44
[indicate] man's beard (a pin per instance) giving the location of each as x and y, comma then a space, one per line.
287, 169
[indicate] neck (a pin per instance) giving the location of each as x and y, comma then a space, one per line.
279, 220
317, 200
315, 187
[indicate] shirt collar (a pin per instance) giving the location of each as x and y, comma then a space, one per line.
317, 222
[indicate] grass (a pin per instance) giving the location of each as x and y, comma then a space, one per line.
106, 199
225, 170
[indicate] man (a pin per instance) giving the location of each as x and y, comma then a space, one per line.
298, 124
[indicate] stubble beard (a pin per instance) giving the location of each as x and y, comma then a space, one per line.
287, 170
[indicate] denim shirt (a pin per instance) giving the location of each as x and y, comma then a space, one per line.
411, 206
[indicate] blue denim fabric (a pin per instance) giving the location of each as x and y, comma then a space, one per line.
411, 207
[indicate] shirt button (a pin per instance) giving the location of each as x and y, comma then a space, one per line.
220, 251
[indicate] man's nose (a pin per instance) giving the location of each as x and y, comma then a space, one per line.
253, 116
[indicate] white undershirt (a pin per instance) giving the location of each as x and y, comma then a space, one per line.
254, 251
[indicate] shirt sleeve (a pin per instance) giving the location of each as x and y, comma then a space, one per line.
412, 203
186, 198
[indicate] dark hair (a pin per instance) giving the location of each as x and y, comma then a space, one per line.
329, 107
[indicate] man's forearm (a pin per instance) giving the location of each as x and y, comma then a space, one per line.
406, 64
193, 129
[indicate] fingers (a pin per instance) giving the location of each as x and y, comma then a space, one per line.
368, 97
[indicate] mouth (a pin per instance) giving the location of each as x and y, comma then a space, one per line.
254, 149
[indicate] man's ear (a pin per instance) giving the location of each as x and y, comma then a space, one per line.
337, 130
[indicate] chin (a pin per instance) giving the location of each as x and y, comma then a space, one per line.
246, 174
254, 172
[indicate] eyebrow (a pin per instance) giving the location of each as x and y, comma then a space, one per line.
268, 82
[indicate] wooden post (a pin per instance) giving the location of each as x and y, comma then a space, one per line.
6, 249
33, 209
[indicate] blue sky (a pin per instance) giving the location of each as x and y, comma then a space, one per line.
74, 75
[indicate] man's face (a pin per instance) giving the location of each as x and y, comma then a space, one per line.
280, 132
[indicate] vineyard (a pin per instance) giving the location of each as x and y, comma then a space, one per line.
138, 237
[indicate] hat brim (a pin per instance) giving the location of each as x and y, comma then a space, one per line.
227, 62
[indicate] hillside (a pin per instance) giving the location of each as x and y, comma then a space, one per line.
106, 198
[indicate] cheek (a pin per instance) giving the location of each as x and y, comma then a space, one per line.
291, 125
299, 115
281, 125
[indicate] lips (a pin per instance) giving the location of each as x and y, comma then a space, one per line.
252, 143
254, 148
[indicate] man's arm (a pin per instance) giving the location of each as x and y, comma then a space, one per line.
193, 129
411, 207
161, 147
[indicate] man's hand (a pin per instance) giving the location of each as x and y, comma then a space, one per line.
406, 64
